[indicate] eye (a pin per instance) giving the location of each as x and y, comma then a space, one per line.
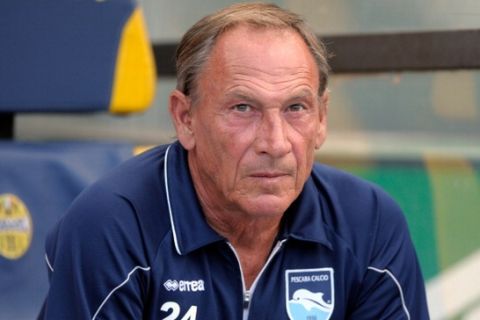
296, 107
242, 107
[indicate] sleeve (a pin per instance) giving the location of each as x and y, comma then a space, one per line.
393, 285
96, 261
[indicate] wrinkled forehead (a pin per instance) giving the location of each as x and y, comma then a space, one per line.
250, 62
270, 50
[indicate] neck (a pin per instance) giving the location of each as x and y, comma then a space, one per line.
252, 240
243, 231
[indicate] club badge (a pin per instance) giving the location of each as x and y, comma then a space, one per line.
310, 294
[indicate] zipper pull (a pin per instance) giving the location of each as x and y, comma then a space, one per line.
246, 299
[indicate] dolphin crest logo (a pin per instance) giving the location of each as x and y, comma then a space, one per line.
310, 294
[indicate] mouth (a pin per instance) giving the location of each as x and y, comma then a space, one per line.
268, 175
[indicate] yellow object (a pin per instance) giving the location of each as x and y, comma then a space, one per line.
15, 227
135, 74
141, 149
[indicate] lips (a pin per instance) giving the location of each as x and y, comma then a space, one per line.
268, 175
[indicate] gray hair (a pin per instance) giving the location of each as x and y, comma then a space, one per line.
197, 43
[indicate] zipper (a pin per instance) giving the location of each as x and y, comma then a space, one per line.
247, 294
246, 299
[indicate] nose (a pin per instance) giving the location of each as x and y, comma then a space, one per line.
272, 135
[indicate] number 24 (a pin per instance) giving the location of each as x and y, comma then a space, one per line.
174, 309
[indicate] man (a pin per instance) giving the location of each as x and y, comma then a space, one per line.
234, 221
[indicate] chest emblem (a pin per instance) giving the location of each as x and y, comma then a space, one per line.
310, 293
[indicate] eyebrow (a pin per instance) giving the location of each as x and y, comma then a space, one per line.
245, 95
302, 94
239, 94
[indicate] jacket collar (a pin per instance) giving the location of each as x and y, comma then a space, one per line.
189, 227
190, 230
304, 219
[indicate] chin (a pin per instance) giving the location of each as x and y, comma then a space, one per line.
267, 206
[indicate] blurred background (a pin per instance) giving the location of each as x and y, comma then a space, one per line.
413, 129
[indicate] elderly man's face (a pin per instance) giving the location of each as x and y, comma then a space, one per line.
252, 131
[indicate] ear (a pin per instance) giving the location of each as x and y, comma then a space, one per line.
322, 128
180, 112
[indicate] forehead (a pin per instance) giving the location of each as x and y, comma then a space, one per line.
269, 54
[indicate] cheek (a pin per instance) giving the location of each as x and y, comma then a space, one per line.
221, 152
304, 151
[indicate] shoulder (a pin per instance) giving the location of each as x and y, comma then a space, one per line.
359, 212
121, 208
134, 186
353, 195
350, 189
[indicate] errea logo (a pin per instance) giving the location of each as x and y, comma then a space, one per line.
171, 285
184, 285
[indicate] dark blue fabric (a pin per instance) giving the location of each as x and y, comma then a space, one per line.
136, 246
59, 55
46, 177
